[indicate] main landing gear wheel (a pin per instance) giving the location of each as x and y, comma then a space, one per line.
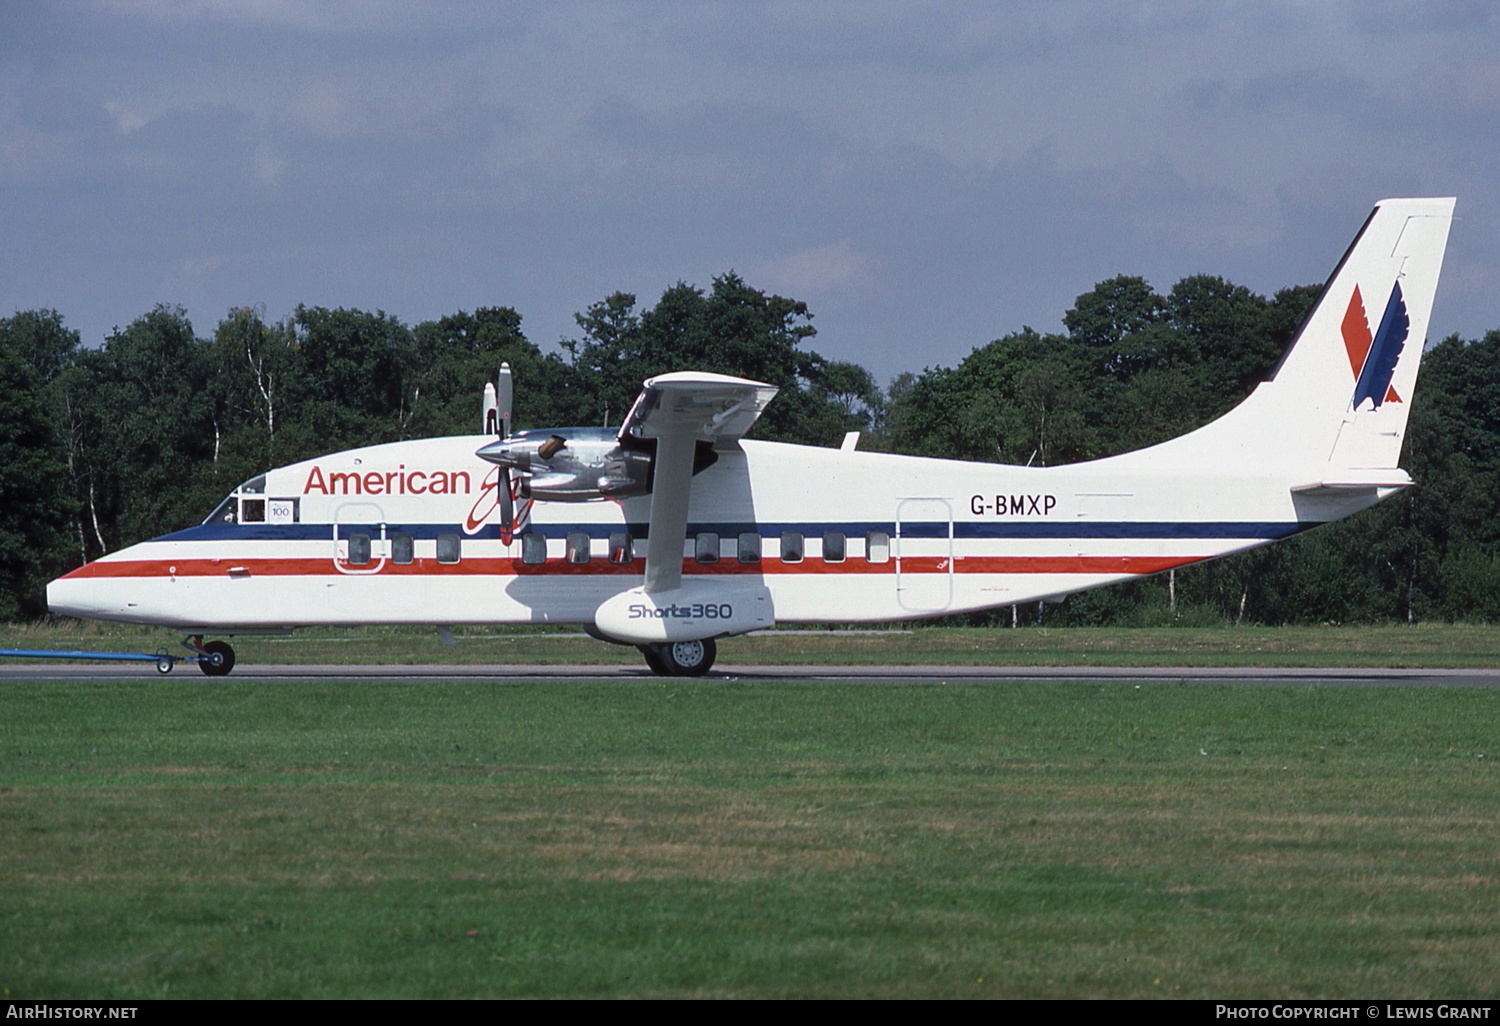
655, 661
218, 659
680, 658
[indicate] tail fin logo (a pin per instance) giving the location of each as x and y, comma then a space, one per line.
1373, 359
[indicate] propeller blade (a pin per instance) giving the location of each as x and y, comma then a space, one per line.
507, 504
505, 396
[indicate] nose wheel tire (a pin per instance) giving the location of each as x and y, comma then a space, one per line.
218, 659
680, 658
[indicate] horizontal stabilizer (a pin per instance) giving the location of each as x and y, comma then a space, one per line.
1370, 480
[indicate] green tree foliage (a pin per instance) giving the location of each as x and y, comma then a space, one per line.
1022, 399
41, 341
348, 388
452, 358
1454, 454
152, 426
34, 500
254, 375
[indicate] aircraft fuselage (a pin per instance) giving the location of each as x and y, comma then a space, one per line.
411, 532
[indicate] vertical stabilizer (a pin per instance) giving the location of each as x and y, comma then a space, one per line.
1340, 398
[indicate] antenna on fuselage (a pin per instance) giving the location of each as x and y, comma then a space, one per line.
489, 419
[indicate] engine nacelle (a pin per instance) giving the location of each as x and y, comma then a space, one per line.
572, 464
582, 464
698, 610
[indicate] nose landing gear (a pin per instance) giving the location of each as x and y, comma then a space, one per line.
215, 659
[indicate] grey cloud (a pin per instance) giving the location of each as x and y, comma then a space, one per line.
938, 174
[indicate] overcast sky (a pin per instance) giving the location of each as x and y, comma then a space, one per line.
926, 176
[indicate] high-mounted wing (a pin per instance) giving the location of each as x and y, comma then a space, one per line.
679, 410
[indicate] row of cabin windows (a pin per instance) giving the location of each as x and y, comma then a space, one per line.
708, 549
403, 548
577, 550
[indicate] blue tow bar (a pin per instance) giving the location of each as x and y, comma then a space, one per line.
163, 659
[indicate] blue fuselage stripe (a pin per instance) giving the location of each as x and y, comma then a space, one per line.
962, 530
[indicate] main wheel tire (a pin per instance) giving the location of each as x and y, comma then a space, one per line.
218, 659
655, 661
690, 658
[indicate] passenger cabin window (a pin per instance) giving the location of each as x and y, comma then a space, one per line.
578, 547
878, 547
706, 548
791, 547
449, 547
403, 549
359, 549
620, 547
533, 548
833, 547
749, 547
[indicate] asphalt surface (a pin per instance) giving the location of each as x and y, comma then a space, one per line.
1239, 676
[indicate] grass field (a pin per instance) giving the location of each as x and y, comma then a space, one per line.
1432, 645
171, 838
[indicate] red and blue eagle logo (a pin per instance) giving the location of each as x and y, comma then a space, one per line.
1373, 358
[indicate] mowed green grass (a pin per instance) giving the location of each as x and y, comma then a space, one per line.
648, 838
1433, 645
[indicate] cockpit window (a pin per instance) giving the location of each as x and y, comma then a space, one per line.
226, 513
231, 511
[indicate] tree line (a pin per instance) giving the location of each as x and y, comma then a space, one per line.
103, 447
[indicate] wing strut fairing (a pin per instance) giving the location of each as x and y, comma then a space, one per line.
679, 411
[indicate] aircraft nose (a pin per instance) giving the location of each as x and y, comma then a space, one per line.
83, 598
65, 598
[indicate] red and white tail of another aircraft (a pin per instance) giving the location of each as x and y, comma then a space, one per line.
676, 530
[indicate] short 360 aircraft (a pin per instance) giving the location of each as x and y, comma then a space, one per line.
675, 530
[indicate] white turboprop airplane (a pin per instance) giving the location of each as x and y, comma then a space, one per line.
675, 530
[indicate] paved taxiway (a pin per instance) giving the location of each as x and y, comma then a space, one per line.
84, 672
